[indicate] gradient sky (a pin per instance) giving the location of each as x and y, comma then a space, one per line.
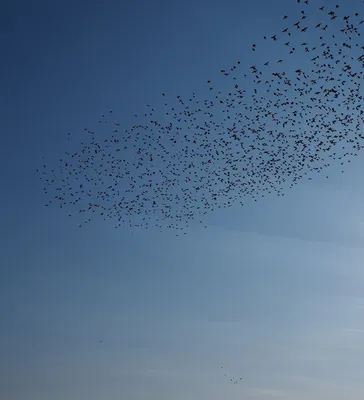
273, 291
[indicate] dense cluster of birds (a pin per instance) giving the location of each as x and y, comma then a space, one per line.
267, 129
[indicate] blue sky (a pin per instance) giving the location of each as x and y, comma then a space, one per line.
272, 291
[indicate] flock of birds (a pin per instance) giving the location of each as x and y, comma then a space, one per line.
269, 128
232, 379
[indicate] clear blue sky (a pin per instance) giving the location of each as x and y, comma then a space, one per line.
273, 291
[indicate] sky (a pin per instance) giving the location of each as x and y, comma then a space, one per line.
273, 292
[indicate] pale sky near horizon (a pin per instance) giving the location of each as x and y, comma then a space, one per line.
272, 291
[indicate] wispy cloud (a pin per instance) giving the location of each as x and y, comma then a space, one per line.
267, 392
356, 330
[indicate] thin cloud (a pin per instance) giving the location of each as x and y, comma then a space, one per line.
269, 392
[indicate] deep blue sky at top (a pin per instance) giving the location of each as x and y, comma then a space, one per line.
169, 310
